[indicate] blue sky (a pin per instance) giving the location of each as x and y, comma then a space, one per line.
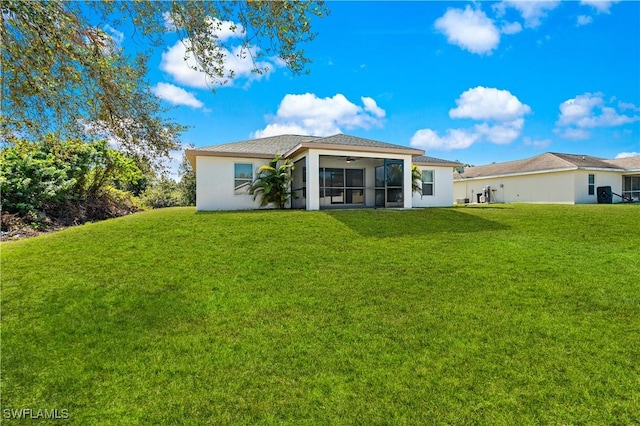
477, 82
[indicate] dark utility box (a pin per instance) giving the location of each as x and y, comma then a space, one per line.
605, 195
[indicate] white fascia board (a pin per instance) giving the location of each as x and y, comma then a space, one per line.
568, 169
601, 169
361, 151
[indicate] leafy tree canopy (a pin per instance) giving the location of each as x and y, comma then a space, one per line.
62, 72
63, 178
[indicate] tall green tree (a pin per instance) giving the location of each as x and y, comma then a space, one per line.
187, 182
62, 72
272, 183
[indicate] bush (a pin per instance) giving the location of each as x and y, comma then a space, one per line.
65, 182
162, 193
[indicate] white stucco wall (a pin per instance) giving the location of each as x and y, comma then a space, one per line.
554, 187
215, 179
602, 178
215, 186
442, 189
561, 187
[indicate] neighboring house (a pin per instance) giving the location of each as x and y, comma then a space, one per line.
549, 178
329, 172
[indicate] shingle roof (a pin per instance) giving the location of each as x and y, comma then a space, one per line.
432, 161
273, 145
584, 160
542, 162
281, 144
628, 163
341, 139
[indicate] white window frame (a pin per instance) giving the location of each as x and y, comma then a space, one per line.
242, 189
432, 182
591, 187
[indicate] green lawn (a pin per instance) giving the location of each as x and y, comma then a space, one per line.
504, 314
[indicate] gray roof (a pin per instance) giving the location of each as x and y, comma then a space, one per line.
627, 163
341, 139
583, 161
433, 161
543, 162
281, 144
273, 145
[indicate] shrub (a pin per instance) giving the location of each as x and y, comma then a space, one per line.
161, 193
68, 182
272, 183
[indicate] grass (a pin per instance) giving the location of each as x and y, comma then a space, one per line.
510, 314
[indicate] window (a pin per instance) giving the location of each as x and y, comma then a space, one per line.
427, 182
242, 178
389, 179
592, 184
631, 187
341, 186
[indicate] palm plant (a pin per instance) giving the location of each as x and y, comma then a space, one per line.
272, 183
416, 179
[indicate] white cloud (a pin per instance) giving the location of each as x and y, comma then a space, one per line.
308, 114
511, 28
169, 24
116, 36
238, 61
584, 20
470, 29
571, 133
176, 95
371, 106
179, 65
628, 105
502, 133
487, 103
454, 139
224, 30
602, 6
531, 11
182, 71
540, 143
627, 154
275, 129
502, 115
588, 111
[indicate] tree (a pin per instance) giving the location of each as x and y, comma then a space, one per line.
70, 181
416, 179
62, 72
187, 182
272, 183
161, 192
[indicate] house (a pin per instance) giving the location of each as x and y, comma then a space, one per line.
550, 178
329, 172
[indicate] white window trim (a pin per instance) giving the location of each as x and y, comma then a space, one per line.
589, 185
250, 180
432, 183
